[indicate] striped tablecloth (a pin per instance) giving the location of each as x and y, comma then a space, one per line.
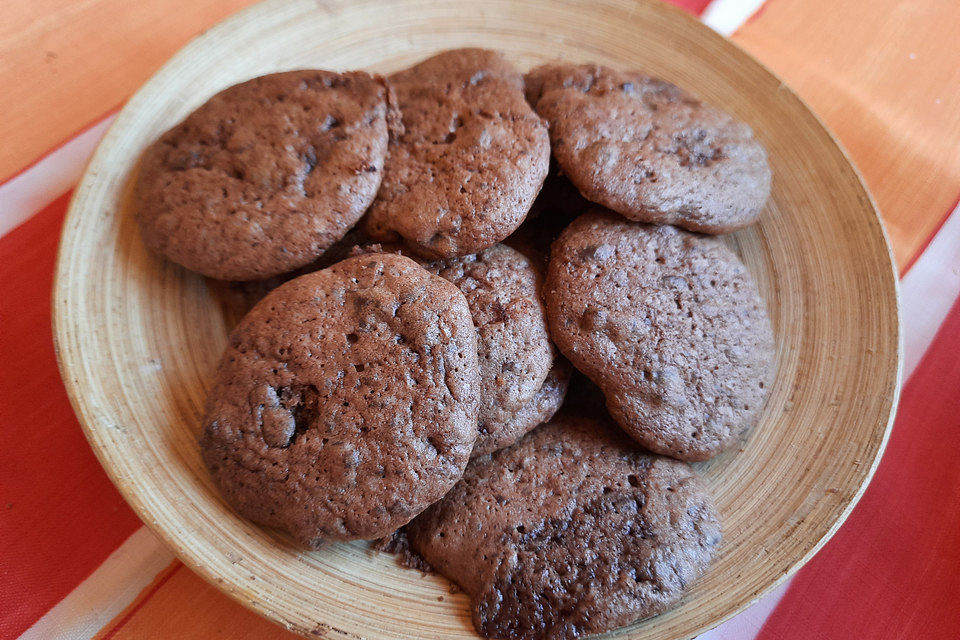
75, 562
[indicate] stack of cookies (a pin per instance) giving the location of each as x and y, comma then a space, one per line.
433, 283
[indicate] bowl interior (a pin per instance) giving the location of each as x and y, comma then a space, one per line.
138, 338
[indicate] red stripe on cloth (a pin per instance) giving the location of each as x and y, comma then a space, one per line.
696, 7
893, 569
60, 516
145, 596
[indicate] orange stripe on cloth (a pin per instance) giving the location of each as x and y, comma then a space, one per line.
117, 625
178, 604
885, 76
63, 63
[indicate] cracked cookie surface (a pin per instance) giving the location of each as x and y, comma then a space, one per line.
345, 402
572, 531
502, 287
266, 175
503, 427
649, 150
669, 324
470, 159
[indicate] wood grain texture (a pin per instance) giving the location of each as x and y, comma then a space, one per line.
139, 338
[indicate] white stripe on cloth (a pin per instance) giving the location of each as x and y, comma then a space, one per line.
106, 592
747, 624
726, 16
31, 191
929, 290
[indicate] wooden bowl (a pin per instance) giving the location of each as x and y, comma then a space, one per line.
138, 338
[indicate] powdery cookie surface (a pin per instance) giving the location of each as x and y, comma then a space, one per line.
266, 175
345, 402
571, 531
668, 324
502, 288
470, 161
649, 150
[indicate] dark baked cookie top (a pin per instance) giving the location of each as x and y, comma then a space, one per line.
520, 385
266, 175
503, 427
571, 531
502, 288
649, 150
470, 161
669, 324
345, 402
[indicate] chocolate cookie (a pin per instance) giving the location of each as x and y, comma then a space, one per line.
345, 403
571, 531
470, 160
668, 324
236, 298
649, 150
502, 287
266, 175
503, 427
